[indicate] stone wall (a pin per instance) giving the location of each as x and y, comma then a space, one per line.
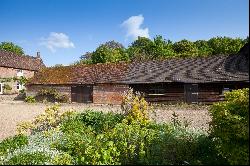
108, 93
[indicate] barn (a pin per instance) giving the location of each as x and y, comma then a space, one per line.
191, 80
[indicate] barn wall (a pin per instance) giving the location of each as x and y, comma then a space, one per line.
208, 93
213, 92
161, 93
32, 90
108, 93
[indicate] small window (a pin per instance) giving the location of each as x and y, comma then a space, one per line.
19, 86
19, 72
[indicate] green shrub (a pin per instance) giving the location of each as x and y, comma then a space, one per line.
63, 159
51, 95
7, 87
100, 121
10, 144
230, 126
135, 107
30, 99
50, 119
36, 158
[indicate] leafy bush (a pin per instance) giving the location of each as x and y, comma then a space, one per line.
10, 144
7, 87
30, 99
51, 95
185, 48
135, 107
36, 158
100, 121
230, 126
44, 122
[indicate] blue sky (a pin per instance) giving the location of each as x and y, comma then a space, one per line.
62, 30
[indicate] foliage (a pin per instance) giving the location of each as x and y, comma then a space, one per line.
105, 54
159, 48
9, 46
135, 107
7, 87
62, 159
203, 48
22, 91
30, 99
144, 48
225, 45
51, 95
140, 49
99, 138
110, 51
100, 121
185, 48
10, 144
48, 120
36, 158
43, 122
230, 126
22, 80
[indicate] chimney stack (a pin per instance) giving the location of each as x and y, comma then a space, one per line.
38, 55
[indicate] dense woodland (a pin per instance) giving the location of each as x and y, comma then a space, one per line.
160, 48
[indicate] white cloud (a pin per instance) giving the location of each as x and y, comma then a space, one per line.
133, 27
57, 40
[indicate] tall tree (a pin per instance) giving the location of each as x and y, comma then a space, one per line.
225, 45
185, 48
140, 49
9, 46
203, 48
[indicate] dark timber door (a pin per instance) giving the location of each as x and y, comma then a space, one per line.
191, 93
81, 94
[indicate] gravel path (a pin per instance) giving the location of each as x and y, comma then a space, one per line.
13, 112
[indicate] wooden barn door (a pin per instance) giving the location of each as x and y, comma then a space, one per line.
191, 93
82, 94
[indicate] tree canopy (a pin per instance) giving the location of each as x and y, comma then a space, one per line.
9, 46
159, 48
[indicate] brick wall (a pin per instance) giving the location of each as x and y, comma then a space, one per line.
102, 93
32, 90
7, 72
108, 93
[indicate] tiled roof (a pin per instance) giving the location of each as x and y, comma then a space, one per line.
81, 74
190, 70
9, 59
215, 68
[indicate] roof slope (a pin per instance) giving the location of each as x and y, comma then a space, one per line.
81, 74
9, 59
215, 68
190, 70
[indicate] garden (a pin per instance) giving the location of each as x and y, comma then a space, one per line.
131, 137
